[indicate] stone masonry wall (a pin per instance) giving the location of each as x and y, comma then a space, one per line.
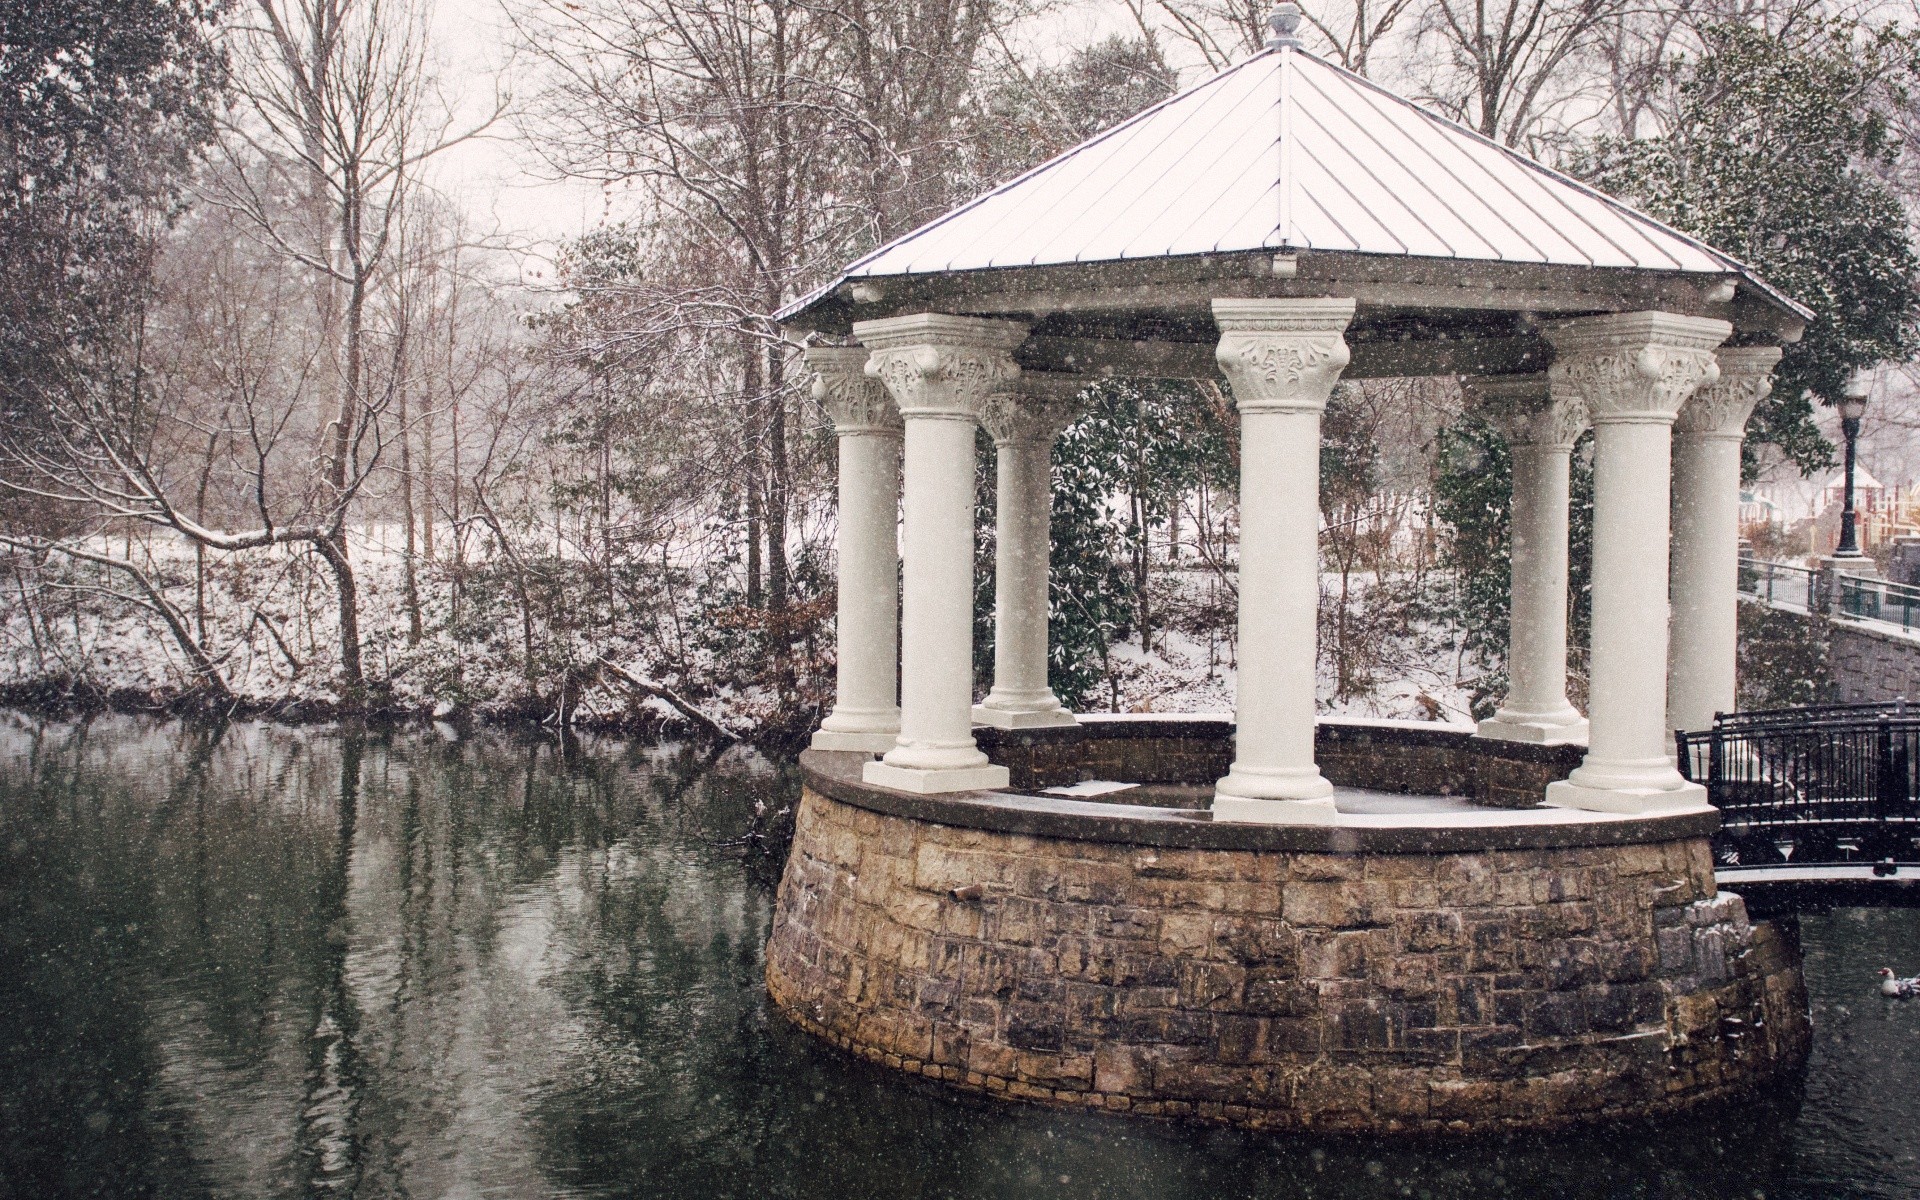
1458, 991
1401, 756
1874, 664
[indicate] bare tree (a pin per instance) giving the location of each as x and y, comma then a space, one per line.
1507, 67
340, 110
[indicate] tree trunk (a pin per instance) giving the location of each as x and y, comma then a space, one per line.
777, 486
414, 630
753, 538
757, 428
353, 684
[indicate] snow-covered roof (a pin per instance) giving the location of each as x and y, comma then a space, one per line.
1863, 481
1288, 151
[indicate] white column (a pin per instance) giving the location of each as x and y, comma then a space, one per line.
1706, 535
866, 422
939, 369
1282, 358
1634, 371
1024, 423
1540, 431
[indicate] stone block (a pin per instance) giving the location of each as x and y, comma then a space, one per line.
1326, 868
1207, 985
1326, 905
1120, 1069
1556, 1016
1365, 1025
1189, 933
1432, 930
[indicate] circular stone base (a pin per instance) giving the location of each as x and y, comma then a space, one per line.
1089, 954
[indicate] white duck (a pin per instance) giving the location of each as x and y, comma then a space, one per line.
1891, 985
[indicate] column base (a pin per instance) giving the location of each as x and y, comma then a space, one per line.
1274, 783
1540, 732
1022, 718
1629, 801
928, 782
1241, 810
878, 742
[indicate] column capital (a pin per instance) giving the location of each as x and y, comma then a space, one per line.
857, 402
1633, 368
941, 366
1035, 409
1524, 410
1282, 355
1721, 408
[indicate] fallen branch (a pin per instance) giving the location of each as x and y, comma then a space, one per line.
679, 703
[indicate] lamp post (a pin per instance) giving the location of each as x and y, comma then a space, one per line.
1852, 407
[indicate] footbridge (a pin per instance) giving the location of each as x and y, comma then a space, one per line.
1818, 803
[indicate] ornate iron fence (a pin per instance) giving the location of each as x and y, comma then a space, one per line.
1820, 785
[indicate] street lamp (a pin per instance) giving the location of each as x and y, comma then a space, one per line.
1852, 407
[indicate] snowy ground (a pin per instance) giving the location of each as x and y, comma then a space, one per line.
270, 623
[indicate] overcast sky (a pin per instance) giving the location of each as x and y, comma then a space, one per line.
499, 182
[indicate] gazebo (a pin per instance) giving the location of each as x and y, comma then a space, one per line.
1287, 224
1283, 226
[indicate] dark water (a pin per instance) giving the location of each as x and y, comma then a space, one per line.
271, 962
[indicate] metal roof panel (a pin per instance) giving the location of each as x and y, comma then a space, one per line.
1368, 172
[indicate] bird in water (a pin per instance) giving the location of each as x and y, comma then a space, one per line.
1892, 985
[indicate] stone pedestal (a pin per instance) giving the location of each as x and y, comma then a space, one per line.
1705, 584
1633, 371
939, 370
1554, 969
1282, 358
866, 424
1024, 423
1540, 431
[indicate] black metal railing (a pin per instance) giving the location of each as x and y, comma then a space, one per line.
1780, 583
1880, 600
1829, 784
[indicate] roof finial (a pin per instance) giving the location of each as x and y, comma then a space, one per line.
1285, 21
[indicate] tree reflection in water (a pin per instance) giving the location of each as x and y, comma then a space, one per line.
260, 961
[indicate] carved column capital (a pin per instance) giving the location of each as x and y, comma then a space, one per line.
1721, 408
1282, 355
1632, 368
857, 402
1035, 409
1524, 411
940, 366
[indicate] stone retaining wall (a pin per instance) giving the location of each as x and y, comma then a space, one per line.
1871, 663
1499, 988
1386, 756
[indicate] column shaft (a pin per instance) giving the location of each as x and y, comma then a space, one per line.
1538, 658
936, 662
1274, 704
1706, 536
865, 710
1282, 358
1024, 424
1628, 676
1706, 579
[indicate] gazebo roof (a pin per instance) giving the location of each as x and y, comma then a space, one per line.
1287, 153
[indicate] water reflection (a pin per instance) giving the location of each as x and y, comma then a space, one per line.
254, 961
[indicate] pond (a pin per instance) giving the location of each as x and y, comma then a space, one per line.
262, 961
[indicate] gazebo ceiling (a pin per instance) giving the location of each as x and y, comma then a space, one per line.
1288, 176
